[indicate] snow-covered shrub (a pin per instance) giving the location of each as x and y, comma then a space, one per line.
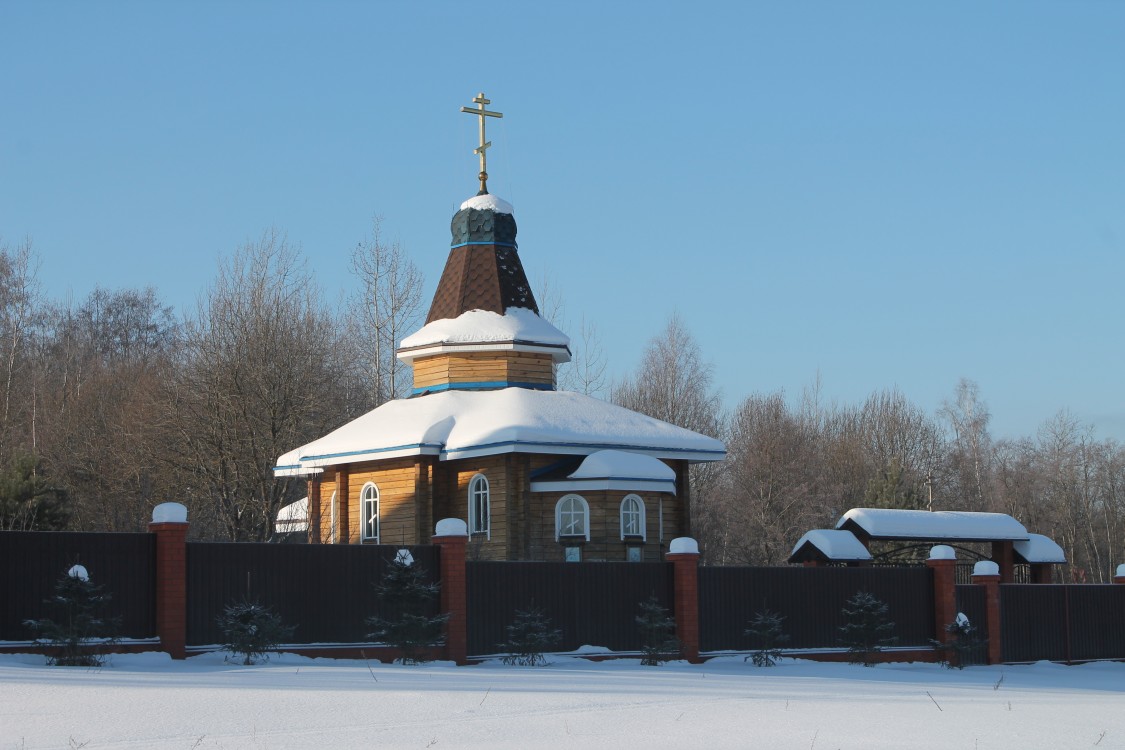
251, 630
766, 630
79, 636
405, 590
658, 634
528, 637
966, 645
867, 631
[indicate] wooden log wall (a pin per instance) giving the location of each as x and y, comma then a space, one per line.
484, 367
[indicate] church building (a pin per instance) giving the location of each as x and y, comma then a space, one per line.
536, 473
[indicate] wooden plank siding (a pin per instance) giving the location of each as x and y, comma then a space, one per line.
397, 484
484, 367
416, 492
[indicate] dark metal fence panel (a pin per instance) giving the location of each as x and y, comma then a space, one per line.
1062, 622
31, 562
591, 603
324, 591
971, 601
1097, 621
1033, 622
811, 600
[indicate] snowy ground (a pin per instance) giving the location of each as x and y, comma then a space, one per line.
148, 700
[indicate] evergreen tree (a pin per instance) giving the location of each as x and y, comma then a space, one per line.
80, 634
867, 630
965, 646
28, 501
658, 633
405, 591
251, 630
766, 630
528, 637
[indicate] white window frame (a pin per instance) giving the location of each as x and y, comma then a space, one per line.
585, 511
640, 513
369, 498
476, 494
334, 519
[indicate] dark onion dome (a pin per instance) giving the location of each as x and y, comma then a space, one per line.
483, 271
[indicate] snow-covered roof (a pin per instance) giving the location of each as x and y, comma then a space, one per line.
837, 546
614, 470
463, 424
489, 202
1039, 549
293, 517
518, 329
922, 525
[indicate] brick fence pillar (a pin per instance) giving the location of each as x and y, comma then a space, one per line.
452, 535
169, 523
1119, 575
987, 574
683, 553
943, 561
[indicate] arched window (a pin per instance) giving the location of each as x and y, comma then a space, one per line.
633, 517
572, 517
369, 501
334, 523
479, 522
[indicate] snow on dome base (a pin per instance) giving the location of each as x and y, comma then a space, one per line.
517, 324
489, 202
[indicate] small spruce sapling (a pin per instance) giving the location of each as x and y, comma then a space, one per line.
766, 630
964, 647
251, 630
79, 636
658, 634
405, 590
867, 631
528, 637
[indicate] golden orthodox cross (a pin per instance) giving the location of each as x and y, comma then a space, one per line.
482, 113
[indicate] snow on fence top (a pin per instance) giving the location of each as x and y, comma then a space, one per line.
463, 424
922, 525
836, 546
516, 326
489, 202
1039, 549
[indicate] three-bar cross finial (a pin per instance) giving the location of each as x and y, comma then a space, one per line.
482, 113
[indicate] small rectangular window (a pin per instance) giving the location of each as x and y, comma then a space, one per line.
633, 553
574, 554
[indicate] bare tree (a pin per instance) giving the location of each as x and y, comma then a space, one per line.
387, 307
968, 419
674, 384
258, 378
586, 371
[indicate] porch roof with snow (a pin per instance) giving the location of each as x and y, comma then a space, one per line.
829, 545
610, 470
464, 424
926, 526
1038, 549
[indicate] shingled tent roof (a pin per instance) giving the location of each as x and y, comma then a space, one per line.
483, 271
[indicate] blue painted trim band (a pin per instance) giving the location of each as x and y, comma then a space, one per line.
482, 386
498, 244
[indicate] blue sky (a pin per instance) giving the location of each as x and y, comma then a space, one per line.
887, 194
